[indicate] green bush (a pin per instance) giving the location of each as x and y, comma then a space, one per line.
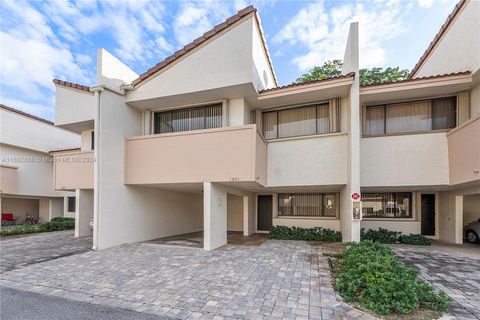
388, 236
381, 235
415, 239
56, 224
296, 233
370, 274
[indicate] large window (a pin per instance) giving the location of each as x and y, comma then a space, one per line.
307, 204
425, 115
205, 117
298, 121
387, 205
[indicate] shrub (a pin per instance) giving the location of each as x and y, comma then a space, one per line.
415, 239
56, 224
388, 236
381, 235
312, 234
370, 274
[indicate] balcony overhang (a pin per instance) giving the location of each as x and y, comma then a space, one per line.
231, 154
190, 98
416, 88
303, 93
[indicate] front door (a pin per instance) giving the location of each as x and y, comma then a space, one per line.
264, 212
428, 214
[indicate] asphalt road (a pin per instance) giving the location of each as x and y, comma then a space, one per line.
21, 305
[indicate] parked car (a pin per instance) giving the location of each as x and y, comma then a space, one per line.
91, 224
472, 231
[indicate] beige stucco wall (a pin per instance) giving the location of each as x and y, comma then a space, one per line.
73, 170
218, 155
312, 160
464, 152
126, 213
459, 48
471, 208
24, 132
86, 140
8, 179
234, 213
34, 173
20, 207
73, 106
404, 160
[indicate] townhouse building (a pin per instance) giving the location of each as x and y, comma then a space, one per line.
26, 168
208, 141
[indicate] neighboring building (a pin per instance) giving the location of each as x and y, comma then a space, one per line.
207, 141
26, 169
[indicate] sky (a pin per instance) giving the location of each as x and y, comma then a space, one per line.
43, 40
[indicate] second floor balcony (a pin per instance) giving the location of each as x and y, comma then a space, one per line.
228, 154
73, 170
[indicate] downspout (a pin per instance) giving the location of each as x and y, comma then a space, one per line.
96, 168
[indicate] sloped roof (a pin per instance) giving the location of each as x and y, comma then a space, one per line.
437, 37
292, 85
28, 115
463, 73
195, 43
71, 85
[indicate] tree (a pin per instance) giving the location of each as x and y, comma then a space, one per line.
333, 68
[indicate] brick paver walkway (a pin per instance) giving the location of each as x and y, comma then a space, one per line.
456, 274
20, 251
275, 280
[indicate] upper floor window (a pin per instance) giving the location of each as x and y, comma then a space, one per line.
425, 115
307, 204
387, 205
297, 121
204, 117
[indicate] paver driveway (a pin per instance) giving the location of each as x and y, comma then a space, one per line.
21, 251
456, 273
275, 280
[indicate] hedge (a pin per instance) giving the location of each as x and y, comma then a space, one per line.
312, 234
55, 224
388, 236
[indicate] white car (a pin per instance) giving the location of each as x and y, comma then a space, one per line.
91, 224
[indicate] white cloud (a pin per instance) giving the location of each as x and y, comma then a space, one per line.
324, 33
425, 3
39, 110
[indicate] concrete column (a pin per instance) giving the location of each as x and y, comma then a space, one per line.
83, 212
249, 214
459, 219
44, 212
214, 216
351, 228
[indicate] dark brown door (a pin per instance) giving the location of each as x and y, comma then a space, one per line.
428, 214
264, 221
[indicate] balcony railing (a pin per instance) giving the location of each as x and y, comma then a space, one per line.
73, 170
464, 152
231, 154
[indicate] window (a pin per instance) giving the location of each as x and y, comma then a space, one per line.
413, 116
71, 204
307, 204
92, 142
205, 117
298, 121
387, 205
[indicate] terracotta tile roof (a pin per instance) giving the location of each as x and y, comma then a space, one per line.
437, 37
292, 85
31, 116
463, 73
195, 43
71, 85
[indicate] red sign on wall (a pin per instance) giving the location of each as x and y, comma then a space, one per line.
355, 196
